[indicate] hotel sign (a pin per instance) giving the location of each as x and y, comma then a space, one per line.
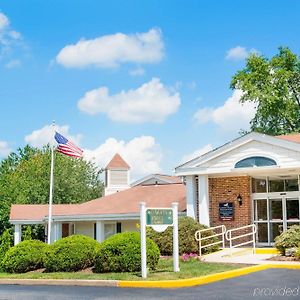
226, 211
159, 216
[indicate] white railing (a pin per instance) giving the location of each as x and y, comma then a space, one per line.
231, 238
199, 238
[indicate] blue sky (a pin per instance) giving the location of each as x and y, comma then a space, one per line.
149, 79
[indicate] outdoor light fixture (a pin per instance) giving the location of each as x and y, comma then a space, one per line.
239, 199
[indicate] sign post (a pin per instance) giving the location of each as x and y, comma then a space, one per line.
175, 238
159, 219
143, 239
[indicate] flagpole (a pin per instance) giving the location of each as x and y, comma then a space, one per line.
51, 191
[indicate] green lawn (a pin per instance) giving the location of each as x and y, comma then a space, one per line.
190, 269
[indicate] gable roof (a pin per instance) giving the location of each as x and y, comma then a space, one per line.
124, 203
117, 162
288, 142
161, 178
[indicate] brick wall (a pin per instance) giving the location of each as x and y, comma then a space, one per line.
226, 189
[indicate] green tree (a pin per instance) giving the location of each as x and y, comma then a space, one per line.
24, 179
6, 241
274, 86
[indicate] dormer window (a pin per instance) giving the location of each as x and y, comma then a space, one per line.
255, 161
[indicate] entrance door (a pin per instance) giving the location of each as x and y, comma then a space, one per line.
65, 230
275, 215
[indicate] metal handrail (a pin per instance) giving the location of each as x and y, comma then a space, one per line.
230, 238
199, 238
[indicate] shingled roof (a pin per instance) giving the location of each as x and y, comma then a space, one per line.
117, 162
294, 137
121, 203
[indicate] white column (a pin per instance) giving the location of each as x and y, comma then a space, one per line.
191, 196
58, 230
56, 234
17, 234
100, 231
203, 200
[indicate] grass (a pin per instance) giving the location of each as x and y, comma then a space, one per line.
164, 271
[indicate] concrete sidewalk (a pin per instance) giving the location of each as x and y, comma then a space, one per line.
244, 256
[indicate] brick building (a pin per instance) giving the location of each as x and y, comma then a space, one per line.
253, 179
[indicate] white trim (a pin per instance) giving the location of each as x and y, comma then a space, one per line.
26, 222
75, 218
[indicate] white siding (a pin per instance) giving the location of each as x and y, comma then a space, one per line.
283, 156
118, 177
85, 228
129, 225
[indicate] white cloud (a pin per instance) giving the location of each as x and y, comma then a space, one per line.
231, 116
239, 53
8, 36
45, 135
143, 154
197, 153
151, 102
110, 51
137, 72
4, 21
4, 148
13, 64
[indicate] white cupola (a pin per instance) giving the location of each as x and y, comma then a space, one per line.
116, 175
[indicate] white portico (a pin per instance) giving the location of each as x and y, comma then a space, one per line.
257, 174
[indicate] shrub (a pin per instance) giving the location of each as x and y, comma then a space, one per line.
186, 234
72, 253
122, 253
27, 234
288, 239
297, 253
5, 244
24, 257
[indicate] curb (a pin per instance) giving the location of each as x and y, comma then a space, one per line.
266, 251
61, 282
204, 279
151, 284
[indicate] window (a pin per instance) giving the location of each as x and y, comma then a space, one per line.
255, 161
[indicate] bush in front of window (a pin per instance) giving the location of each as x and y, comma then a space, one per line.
72, 253
288, 239
122, 253
26, 256
187, 227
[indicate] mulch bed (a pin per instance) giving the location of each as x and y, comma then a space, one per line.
283, 258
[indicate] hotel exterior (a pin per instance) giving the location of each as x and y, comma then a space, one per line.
253, 179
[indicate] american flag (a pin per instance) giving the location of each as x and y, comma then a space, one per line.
67, 147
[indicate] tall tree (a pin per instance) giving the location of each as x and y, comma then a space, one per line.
274, 86
24, 179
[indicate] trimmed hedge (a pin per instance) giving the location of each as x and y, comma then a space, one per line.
187, 227
288, 239
26, 256
122, 253
72, 253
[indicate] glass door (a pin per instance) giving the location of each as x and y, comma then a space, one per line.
276, 218
272, 216
261, 217
292, 212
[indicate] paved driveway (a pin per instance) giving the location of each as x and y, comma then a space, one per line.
268, 284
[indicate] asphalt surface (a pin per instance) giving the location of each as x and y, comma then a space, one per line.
268, 284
